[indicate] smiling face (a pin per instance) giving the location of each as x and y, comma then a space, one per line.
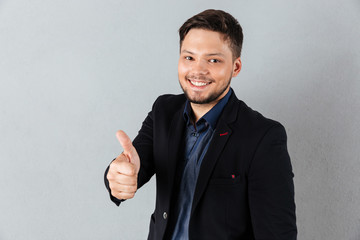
206, 66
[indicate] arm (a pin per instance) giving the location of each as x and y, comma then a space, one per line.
271, 188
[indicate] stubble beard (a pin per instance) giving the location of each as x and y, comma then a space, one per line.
212, 97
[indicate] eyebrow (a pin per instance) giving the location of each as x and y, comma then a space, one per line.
215, 54
186, 51
209, 55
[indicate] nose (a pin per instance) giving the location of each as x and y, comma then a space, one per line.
200, 67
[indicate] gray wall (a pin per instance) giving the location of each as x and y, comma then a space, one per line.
74, 72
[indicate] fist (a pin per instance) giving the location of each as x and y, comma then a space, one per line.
123, 171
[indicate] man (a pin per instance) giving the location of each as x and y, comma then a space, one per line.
222, 170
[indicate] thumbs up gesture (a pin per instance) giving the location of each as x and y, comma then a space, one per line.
123, 171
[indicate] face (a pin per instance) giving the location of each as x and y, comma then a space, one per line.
206, 66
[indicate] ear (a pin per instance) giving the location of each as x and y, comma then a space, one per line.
236, 67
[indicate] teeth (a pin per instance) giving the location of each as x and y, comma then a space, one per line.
198, 84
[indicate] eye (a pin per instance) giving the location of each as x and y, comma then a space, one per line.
188, 58
214, 60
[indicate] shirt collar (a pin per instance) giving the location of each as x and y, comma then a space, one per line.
211, 116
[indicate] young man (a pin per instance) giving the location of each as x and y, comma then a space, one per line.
222, 170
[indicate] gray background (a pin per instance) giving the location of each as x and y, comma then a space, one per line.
74, 72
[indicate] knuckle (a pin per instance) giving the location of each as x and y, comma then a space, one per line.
127, 168
132, 170
119, 196
125, 188
134, 181
110, 176
113, 187
123, 195
113, 164
121, 158
130, 189
131, 195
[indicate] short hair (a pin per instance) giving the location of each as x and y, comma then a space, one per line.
217, 21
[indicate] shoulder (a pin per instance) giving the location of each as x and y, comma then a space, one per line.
252, 122
255, 118
169, 103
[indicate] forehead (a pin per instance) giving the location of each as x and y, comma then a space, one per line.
205, 40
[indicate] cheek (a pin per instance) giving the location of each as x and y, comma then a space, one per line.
220, 72
182, 69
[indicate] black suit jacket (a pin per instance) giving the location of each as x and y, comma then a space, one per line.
245, 185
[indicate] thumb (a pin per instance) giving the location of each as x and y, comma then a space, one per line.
129, 150
124, 141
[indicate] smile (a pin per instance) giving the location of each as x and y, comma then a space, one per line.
199, 84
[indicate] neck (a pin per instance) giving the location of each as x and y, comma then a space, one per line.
200, 110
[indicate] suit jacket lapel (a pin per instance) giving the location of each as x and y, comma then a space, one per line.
174, 149
218, 142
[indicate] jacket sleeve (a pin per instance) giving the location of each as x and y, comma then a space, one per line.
271, 188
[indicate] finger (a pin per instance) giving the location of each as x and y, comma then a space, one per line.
126, 168
121, 158
116, 177
122, 166
126, 180
123, 188
125, 142
129, 150
122, 195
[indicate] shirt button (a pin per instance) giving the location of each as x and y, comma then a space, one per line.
165, 215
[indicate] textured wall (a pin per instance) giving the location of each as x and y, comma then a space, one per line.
73, 72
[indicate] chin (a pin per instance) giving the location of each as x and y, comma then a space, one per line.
200, 99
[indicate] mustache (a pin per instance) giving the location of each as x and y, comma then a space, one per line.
199, 77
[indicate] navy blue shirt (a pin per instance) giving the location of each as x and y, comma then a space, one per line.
197, 141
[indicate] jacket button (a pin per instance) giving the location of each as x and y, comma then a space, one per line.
165, 215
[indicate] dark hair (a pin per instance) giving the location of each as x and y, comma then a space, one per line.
217, 21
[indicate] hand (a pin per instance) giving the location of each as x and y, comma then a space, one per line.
123, 171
